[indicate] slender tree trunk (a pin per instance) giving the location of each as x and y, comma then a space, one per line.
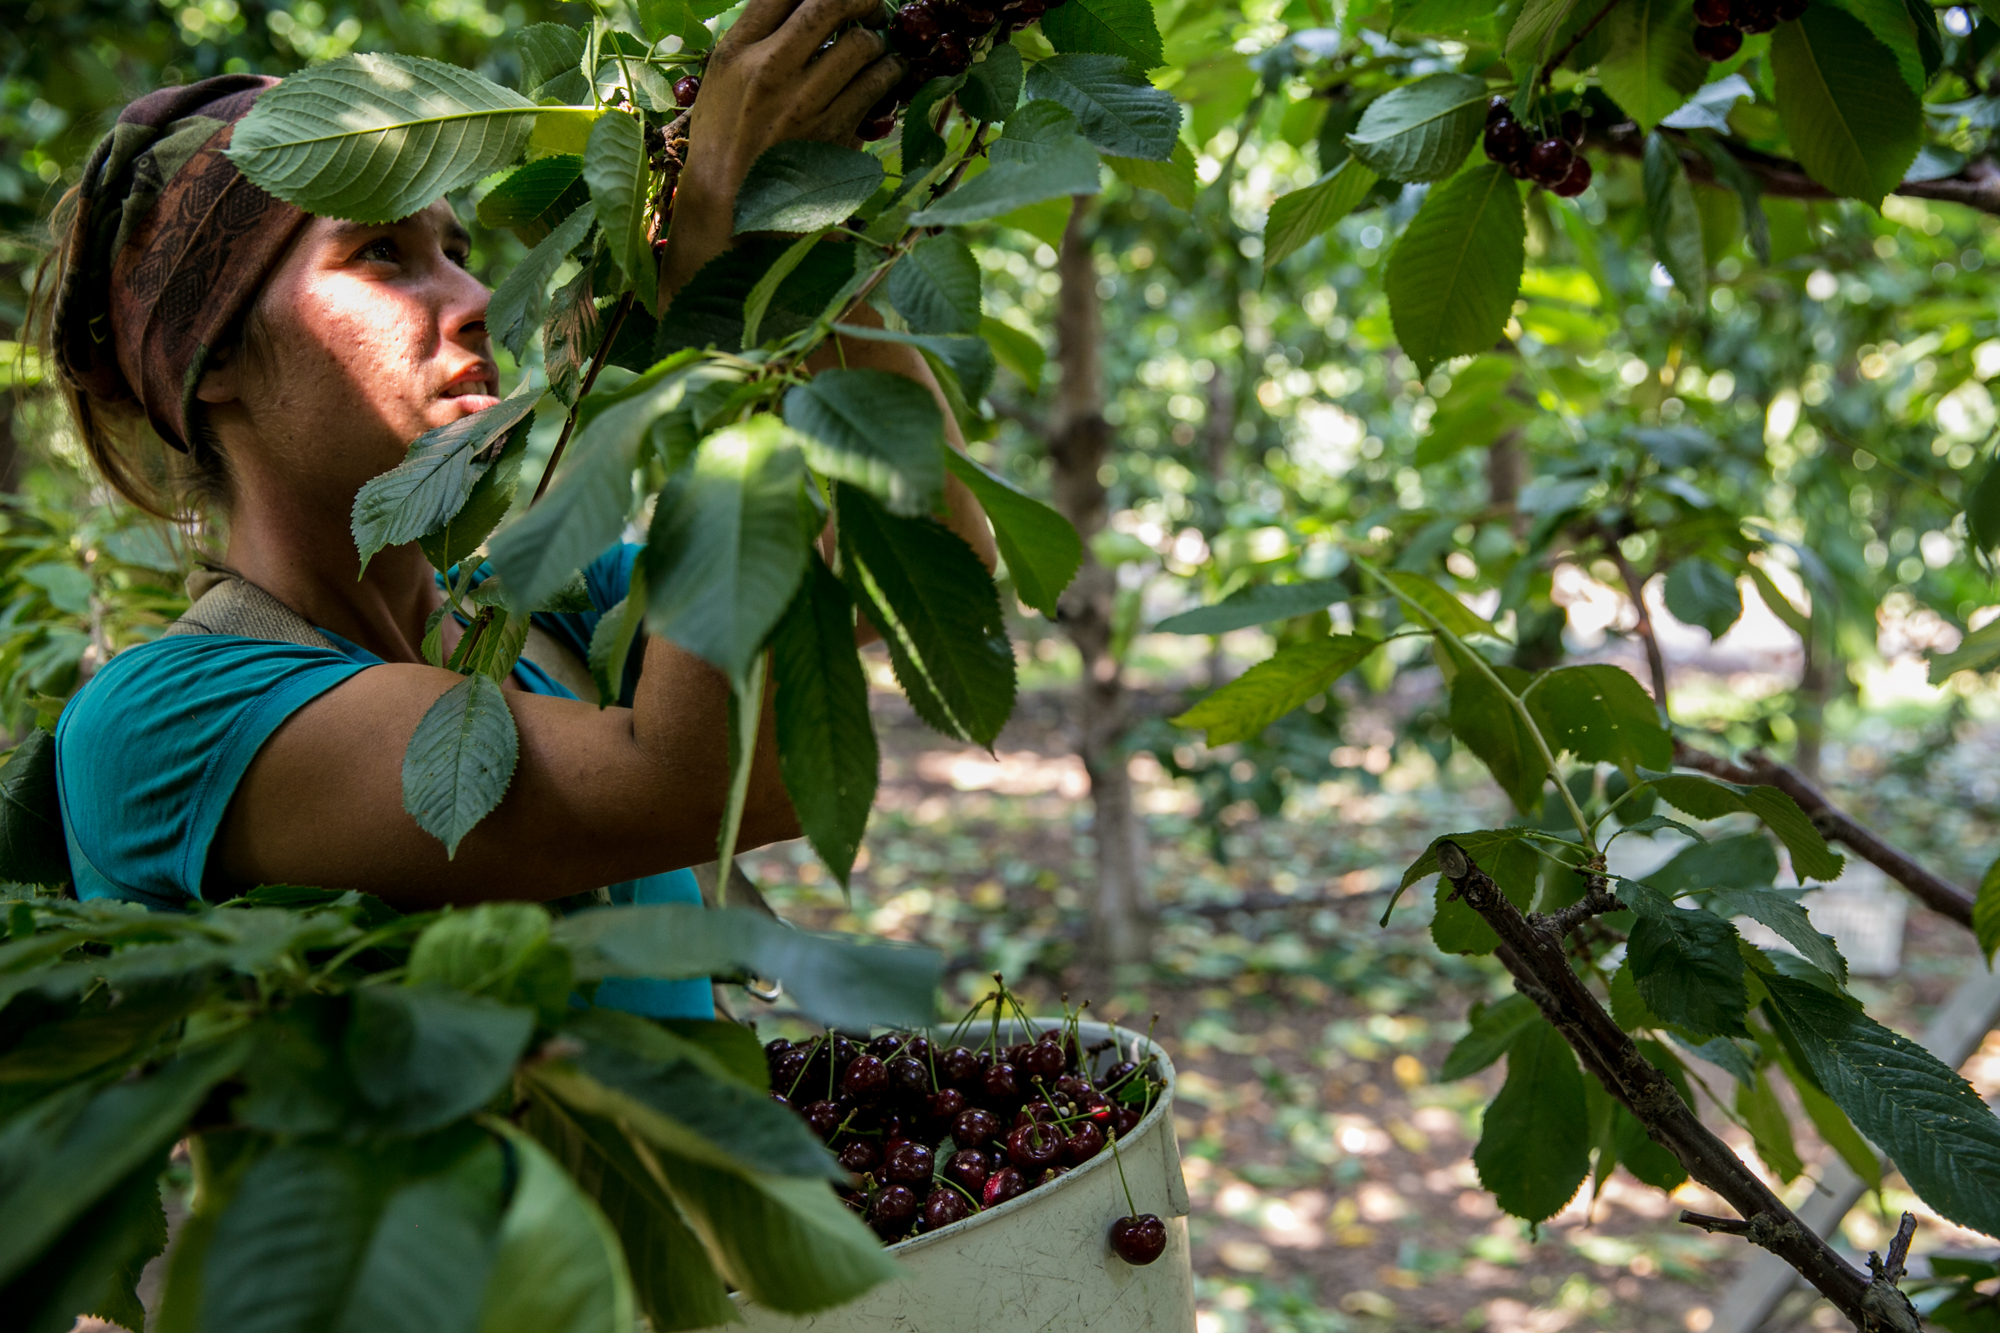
1219, 441
1079, 443
1815, 685
1506, 473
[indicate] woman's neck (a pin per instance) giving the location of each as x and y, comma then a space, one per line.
304, 555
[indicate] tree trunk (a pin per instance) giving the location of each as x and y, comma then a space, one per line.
1815, 685
1219, 441
1079, 443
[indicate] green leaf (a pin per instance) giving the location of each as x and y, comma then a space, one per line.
826, 740
923, 147
1782, 913
1831, 1122
1650, 66
1303, 214
1534, 1144
708, 311
1107, 27
680, 1104
560, 1268
64, 1154
520, 301
1455, 270
426, 1265
1019, 351
1494, 1028
491, 497
1742, 862
569, 335
286, 1248
728, 544
1529, 40
947, 640
374, 138
966, 356
1422, 130
619, 176
94, 1268
1446, 609
1894, 25
423, 1058
612, 641
460, 761
1266, 692
1600, 714
935, 287
993, 85
498, 950
1978, 651
1481, 716
839, 981
534, 190
1986, 912
1040, 546
1256, 604
1515, 866
1115, 106
1675, 220
585, 509
1853, 131
1701, 592
1770, 1129
547, 50
803, 185
1933, 1126
1982, 509
32, 847
1174, 180
1686, 963
1650, 1162
759, 299
437, 475
741, 724
1070, 168
1710, 798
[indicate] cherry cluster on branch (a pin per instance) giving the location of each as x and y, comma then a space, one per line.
1723, 23
1548, 155
939, 38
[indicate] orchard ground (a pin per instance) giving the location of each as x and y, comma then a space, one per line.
1331, 1173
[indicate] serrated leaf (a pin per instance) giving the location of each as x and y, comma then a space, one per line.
1070, 168
1107, 27
460, 761
1782, 913
935, 287
802, 185
1986, 912
559, 1268
1446, 609
1474, 845
922, 146
1686, 964
967, 356
569, 336
1675, 220
374, 138
1710, 798
1742, 862
611, 643
1701, 592
1115, 106
1528, 41
1493, 1031
547, 50
426, 1265
519, 302
532, 190
728, 544
1481, 715
1600, 714
1891, 22
32, 846
620, 177
459, 536
708, 311
827, 753
1274, 687
1650, 66
1534, 1142
1256, 604
1770, 1129
1977, 651
1422, 130
1040, 546
1832, 1123
1938, 1131
1514, 866
94, 1267
1015, 349
1174, 180
874, 429
946, 638
1303, 214
1454, 272
993, 85
437, 475
1853, 131
759, 299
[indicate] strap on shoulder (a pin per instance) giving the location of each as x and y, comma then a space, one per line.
226, 603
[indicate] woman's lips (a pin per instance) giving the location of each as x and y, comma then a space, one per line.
473, 394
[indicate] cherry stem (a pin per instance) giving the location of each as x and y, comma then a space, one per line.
1132, 1209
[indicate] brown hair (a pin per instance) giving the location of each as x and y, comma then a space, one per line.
121, 444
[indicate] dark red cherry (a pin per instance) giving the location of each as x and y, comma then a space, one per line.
1139, 1240
951, 53
917, 1048
1718, 43
968, 1168
1002, 1084
974, 1127
958, 1067
910, 1077
1498, 108
876, 127
1125, 1119
1002, 1185
943, 1107
884, 1046
944, 1207
1034, 1148
1121, 1071
1073, 1087
824, 1117
866, 1079
790, 1069
1572, 125
1050, 1176
908, 1163
1577, 181
1756, 15
774, 1048
892, 1210
686, 89
860, 1155
1506, 142
1549, 161
1715, 13
980, 15
844, 1050
1044, 1060
1085, 1141
1791, 9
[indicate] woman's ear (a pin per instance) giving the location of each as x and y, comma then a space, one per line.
222, 378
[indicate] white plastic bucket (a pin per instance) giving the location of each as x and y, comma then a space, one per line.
1042, 1260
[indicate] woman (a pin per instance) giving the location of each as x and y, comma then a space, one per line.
291, 358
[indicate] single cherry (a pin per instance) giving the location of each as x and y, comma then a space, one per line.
824, 1117
884, 1046
1085, 1142
1034, 1148
866, 1079
1714, 13
1044, 1060
1002, 1085
686, 89
1139, 1240
943, 1107
909, 1077
1124, 1069
1549, 161
974, 1127
790, 1069
844, 1050
968, 1168
1002, 1185
1577, 181
1572, 125
860, 1155
774, 1048
892, 1210
1506, 143
1125, 1119
1073, 1087
944, 1207
1756, 15
1498, 108
1718, 43
908, 1163
958, 1066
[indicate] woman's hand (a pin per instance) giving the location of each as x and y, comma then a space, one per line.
766, 83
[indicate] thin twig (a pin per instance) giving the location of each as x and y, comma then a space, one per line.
589, 379
1635, 585
1549, 69
1596, 902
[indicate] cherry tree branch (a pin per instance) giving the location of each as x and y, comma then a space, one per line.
1835, 824
1532, 949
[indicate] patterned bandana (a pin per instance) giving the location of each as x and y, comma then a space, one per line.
172, 246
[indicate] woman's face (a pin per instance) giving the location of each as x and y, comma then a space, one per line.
369, 336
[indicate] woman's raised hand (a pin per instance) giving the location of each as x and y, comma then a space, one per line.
767, 82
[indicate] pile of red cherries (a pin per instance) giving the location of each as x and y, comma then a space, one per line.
932, 1134
1722, 23
1550, 156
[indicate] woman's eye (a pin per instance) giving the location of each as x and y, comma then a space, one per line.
381, 252
462, 258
